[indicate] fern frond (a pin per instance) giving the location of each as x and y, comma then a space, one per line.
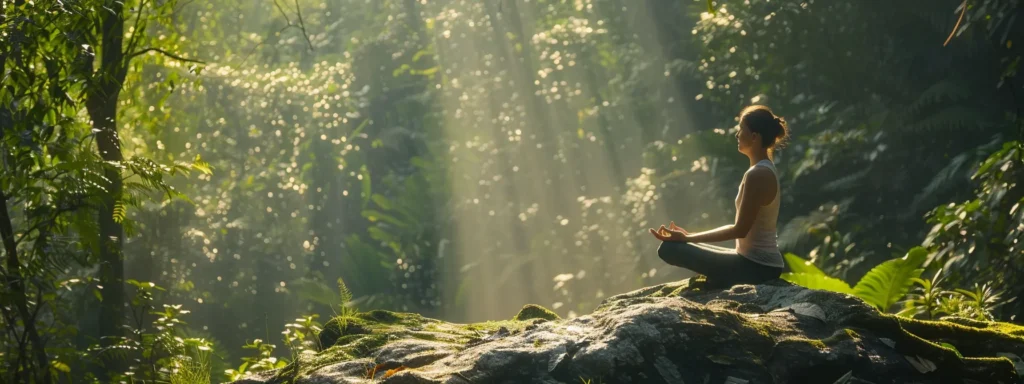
346, 297
846, 182
820, 282
942, 180
948, 119
799, 265
202, 166
314, 291
887, 283
119, 211
938, 93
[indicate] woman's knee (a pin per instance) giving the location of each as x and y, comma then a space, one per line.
670, 251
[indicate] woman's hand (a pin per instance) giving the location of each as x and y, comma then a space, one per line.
672, 233
672, 225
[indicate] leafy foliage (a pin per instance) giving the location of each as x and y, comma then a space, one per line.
889, 282
447, 157
978, 239
818, 281
882, 287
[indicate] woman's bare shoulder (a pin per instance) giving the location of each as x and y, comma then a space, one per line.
761, 179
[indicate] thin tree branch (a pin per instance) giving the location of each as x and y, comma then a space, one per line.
302, 25
137, 29
963, 12
283, 13
165, 53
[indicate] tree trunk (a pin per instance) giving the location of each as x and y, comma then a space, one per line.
15, 283
101, 103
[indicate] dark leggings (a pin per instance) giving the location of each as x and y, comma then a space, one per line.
722, 266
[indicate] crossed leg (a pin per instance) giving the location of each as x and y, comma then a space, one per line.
722, 266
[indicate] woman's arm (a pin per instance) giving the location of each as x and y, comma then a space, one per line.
758, 190
723, 233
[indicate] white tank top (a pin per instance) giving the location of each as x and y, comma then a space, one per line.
761, 244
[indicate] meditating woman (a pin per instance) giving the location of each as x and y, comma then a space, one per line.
756, 258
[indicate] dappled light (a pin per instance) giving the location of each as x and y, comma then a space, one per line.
196, 191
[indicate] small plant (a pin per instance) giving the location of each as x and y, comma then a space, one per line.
346, 300
931, 301
192, 368
893, 282
263, 361
301, 335
926, 300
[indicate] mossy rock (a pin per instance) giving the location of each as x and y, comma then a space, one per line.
534, 311
339, 327
769, 333
382, 316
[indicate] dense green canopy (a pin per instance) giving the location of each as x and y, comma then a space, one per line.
185, 177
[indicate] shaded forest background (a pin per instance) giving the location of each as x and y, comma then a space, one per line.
185, 177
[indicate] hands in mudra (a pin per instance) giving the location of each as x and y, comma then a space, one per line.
672, 233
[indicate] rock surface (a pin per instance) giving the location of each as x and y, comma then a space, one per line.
671, 333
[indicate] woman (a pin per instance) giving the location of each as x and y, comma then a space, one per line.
756, 258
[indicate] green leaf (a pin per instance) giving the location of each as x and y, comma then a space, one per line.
425, 72
119, 211
379, 234
60, 366
360, 128
818, 281
374, 216
400, 70
887, 283
799, 265
201, 166
382, 201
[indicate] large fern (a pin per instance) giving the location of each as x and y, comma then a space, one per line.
885, 285
889, 282
799, 265
815, 281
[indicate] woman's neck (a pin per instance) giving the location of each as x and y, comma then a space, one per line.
758, 156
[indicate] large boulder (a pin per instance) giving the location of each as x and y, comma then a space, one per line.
671, 333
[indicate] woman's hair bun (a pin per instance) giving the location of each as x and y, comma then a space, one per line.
773, 128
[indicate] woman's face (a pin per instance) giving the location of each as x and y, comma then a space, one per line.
745, 139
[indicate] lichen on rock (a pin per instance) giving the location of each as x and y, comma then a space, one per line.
678, 332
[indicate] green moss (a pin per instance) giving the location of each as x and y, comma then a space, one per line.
347, 339
763, 328
815, 343
534, 311
842, 335
367, 344
493, 326
430, 336
976, 339
339, 327
382, 316
1001, 327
